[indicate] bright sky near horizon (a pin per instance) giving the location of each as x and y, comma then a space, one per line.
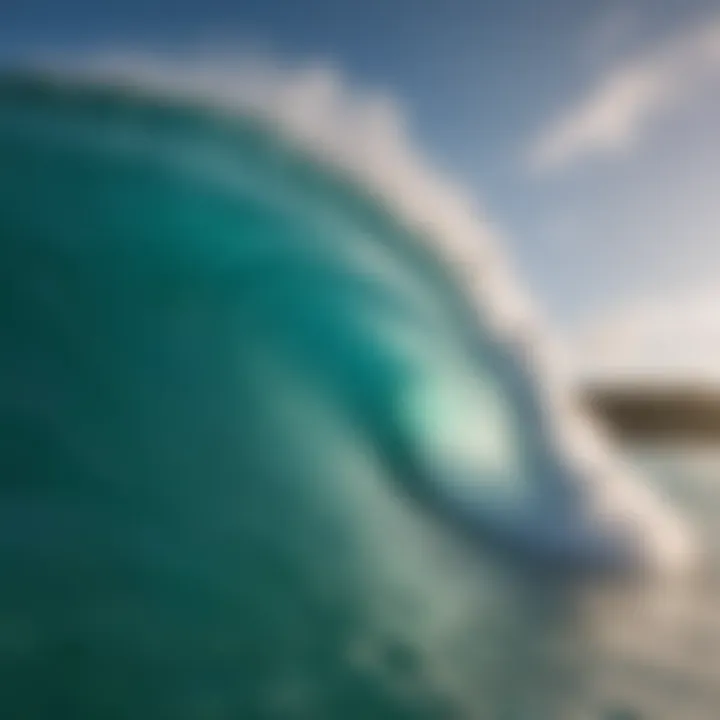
589, 132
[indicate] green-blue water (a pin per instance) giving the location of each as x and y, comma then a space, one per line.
232, 389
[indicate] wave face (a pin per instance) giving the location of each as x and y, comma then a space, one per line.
248, 415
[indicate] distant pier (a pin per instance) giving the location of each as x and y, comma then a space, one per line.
650, 411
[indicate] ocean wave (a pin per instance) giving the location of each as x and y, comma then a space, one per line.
303, 209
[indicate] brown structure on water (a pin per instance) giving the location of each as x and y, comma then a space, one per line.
640, 412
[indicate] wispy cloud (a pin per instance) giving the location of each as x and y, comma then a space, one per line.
674, 338
612, 115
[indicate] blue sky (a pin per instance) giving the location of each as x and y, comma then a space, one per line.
585, 129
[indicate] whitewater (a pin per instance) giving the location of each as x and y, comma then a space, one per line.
279, 433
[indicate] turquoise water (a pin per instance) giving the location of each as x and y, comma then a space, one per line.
248, 420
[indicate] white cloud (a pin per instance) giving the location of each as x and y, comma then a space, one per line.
612, 115
675, 339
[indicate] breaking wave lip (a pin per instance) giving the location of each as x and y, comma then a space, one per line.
363, 136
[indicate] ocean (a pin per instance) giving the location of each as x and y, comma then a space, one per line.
263, 456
